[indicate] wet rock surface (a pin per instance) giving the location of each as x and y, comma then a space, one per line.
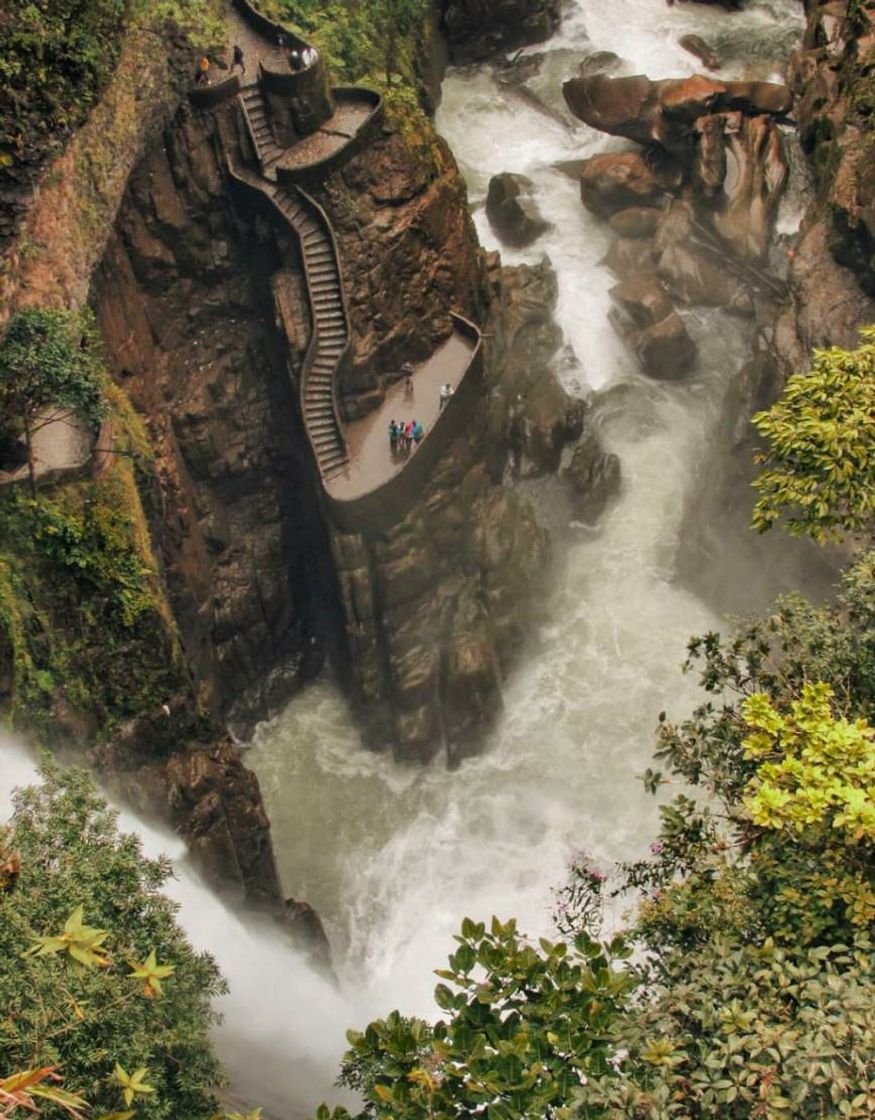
664, 112
476, 29
698, 48
512, 211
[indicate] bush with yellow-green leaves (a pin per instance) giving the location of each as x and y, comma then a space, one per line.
98, 983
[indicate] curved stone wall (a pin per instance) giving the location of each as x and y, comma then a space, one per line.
267, 27
389, 502
207, 97
315, 172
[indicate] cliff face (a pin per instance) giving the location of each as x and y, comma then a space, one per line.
478, 28
185, 302
420, 619
832, 274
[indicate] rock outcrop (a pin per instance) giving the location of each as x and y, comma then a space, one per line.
666, 112
831, 77
512, 211
476, 29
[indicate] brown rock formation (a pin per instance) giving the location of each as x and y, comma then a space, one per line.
184, 305
832, 81
666, 111
511, 210
476, 29
616, 181
645, 316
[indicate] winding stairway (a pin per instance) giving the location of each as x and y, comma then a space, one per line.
267, 150
330, 327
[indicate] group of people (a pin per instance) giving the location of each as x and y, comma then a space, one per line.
298, 60
405, 436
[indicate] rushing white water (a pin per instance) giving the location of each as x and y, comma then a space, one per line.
284, 1025
393, 858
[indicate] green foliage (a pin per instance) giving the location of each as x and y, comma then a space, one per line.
751, 993
82, 620
820, 468
374, 42
812, 769
523, 1026
50, 358
57, 56
747, 1031
56, 1008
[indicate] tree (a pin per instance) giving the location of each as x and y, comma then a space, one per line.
49, 359
98, 981
750, 995
524, 1025
820, 468
395, 20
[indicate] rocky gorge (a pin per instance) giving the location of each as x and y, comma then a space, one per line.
201, 304
201, 307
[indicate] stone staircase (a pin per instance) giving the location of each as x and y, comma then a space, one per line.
267, 150
330, 330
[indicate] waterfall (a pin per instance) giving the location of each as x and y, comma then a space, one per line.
393, 858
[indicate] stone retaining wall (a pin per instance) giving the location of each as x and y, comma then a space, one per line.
391, 501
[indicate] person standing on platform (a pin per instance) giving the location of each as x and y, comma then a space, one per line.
407, 373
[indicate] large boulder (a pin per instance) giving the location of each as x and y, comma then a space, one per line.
475, 29
665, 112
740, 172
694, 270
615, 181
645, 317
594, 473
512, 211
635, 221
696, 46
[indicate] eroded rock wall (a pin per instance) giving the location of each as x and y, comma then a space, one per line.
185, 301
476, 29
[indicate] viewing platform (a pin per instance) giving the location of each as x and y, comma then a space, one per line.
299, 130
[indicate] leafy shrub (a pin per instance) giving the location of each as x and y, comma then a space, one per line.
85, 933
750, 995
820, 468
82, 619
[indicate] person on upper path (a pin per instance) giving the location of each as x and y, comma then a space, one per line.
295, 60
310, 56
238, 59
407, 373
446, 393
202, 74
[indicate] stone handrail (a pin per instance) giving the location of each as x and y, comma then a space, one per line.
387, 503
289, 82
316, 171
267, 27
207, 97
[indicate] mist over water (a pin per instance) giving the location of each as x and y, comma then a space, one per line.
284, 1024
393, 858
